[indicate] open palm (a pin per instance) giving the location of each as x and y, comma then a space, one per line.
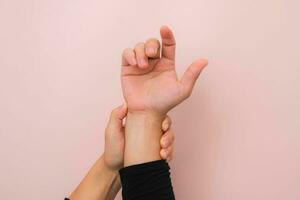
149, 79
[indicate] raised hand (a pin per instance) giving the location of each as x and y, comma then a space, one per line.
149, 79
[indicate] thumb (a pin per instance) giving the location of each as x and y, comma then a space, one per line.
117, 115
191, 75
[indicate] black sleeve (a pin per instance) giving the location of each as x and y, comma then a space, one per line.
147, 181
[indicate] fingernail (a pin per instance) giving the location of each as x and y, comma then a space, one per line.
151, 50
166, 126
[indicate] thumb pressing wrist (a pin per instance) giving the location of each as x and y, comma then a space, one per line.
117, 115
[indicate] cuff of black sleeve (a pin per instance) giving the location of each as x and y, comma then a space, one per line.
145, 181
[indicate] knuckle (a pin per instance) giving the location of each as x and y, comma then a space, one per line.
127, 51
114, 112
153, 40
186, 93
139, 45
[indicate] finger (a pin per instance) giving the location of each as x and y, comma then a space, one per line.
170, 157
141, 57
163, 154
166, 123
152, 48
168, 43
166, 153
116, 117
191, 75
128, 57
167, 139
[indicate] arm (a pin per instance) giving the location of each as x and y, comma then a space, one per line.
145, 175
151, 88
103, 181
143, 132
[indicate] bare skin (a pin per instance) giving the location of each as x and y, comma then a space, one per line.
102, 181
151, 88
149, 79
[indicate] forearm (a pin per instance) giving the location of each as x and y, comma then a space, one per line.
145, 176
101, 183
143, 133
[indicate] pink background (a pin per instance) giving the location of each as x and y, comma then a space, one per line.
237, 136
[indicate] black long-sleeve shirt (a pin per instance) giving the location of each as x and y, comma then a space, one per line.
147, 181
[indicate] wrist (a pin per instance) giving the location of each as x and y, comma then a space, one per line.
143, 133
146, 114
144, 123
